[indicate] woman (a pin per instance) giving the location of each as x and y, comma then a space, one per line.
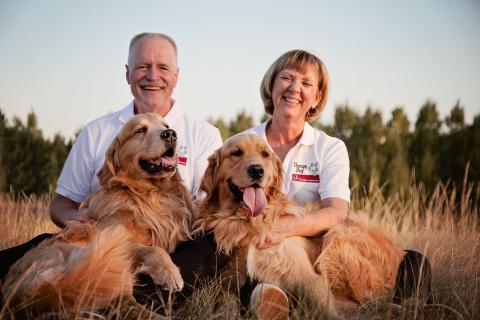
294, 91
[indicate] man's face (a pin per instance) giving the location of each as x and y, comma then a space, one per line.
152, 73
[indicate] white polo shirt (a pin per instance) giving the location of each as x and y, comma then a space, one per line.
316, 168
197, 140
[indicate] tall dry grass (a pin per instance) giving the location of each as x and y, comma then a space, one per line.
22, 218
444, 226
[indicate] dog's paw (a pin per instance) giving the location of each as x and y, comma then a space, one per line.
169, 279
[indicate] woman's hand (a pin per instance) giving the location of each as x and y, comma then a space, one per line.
281, 230
332, 211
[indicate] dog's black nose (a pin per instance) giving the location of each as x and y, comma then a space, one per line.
255, 171
169, 135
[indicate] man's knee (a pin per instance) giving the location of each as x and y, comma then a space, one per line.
414, 278
9, 256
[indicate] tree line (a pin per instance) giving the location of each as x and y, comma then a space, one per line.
389, 153
394, 152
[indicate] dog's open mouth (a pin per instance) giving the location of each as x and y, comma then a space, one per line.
253, 196
164, 163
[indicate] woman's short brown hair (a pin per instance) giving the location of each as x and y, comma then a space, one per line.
298, 60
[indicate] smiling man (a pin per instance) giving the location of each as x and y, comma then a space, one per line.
152, 73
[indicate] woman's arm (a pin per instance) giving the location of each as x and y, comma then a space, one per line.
332, 212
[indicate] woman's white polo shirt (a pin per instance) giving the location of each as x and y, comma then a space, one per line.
316, 168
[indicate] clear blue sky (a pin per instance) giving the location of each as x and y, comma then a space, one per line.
65, 59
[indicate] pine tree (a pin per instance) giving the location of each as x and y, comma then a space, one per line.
424, 152
396, 170
456, 120
367, 139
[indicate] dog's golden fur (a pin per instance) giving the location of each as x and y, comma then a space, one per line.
353, 263
142, 210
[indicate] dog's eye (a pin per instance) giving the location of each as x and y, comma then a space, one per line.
265, 154
141, 130
237, 152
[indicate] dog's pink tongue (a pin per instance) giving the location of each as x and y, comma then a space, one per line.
255, 199
168, 161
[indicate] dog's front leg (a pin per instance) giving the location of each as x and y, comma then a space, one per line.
156, 262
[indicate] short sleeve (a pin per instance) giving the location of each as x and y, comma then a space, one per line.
335, 172
79, 170
209, 142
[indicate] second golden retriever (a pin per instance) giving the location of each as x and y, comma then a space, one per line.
353, 263
142, 211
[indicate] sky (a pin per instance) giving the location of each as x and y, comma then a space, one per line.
65, 60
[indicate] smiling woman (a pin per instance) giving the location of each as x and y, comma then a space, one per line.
294, 91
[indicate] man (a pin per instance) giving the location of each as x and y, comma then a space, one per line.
152, 73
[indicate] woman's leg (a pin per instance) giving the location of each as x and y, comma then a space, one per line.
414, 278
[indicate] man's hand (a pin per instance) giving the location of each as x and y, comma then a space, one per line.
83, 216
63, 209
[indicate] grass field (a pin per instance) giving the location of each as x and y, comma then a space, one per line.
444, 226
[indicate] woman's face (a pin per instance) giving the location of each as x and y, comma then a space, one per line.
294, 92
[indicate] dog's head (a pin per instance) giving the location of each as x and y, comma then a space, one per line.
243, 173
144, 149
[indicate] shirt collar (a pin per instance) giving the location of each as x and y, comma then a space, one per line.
126, 113
173, 114
306, 139
171, 117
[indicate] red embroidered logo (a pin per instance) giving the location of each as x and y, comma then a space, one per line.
182, 160
305, 177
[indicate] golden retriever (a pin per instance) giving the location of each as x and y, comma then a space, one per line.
351, 264
142, 210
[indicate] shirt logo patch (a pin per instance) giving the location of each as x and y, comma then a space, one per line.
182, 161
314, 178
306, 172
182, 155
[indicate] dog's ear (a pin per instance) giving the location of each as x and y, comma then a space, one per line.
209, 181
111, 164
279, 175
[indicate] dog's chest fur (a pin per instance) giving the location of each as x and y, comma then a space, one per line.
154, 218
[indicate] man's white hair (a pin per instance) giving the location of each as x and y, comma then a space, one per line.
139, 36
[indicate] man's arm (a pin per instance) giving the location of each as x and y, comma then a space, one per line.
63, 209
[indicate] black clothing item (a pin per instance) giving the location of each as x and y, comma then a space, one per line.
11, 255
414, 278
198, 261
